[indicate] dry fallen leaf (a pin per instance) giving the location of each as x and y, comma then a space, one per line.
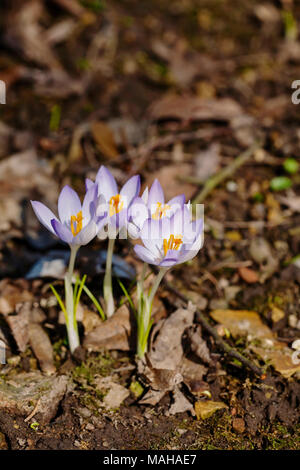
249, 324
180, 404
167, 351
114, 333
42, 347
104, 139
28, 390
188, 108
115, 395
12, 294
205, 409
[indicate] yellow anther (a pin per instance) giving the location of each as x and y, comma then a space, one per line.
161, 210
115, 204
172, 244
76, 223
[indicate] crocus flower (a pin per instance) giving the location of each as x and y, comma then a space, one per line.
77, 223
117, 201
170, 241
152, 205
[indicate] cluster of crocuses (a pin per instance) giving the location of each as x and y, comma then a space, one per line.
166, 232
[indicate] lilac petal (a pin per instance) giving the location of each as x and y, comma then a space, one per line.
189, 251
156, 194
86, 234
151, 235
145, 255
88, 183
68, 204
63, 232
89, 204
44, 214
120, 219
106, 183
131, 189
177, 202
171, 258
145, 195
138, 212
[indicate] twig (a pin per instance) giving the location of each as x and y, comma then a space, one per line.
165, 141
226, 172
219, 341
33, 411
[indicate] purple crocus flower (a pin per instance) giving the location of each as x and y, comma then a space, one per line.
78, 223
118, 202
152, 205
170, 241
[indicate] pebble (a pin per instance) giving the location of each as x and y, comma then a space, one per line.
238, 425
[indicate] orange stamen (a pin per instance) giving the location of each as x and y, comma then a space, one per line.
76, 219
161, 210
115, 204
172, 244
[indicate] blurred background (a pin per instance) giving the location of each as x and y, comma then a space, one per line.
169, 89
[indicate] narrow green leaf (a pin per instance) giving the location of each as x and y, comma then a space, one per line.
61, 304
55, 118
95, 301
79, 292
127, 295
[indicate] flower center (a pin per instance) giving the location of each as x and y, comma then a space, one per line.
115, 204
173, 243
161, 210
76, 223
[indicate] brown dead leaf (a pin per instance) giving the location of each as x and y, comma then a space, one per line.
91, 320
198, 344
27, 390
167, 351
187, 108
205, 409
152, 397
42, 347
12, 294
19, 327
180, 403
25, 31
242, 323
104, 139
247, 323
115, 395
114, 333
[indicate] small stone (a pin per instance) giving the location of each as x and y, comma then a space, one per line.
3, 443
238, 425
277, 314
248, 275
90, 427
181, 431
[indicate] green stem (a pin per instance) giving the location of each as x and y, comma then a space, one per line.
145, 302
107, 284
72, 329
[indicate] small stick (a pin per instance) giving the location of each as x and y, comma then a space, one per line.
226, 172
219, 341
33, 411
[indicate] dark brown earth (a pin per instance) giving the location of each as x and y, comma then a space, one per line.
116, 62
